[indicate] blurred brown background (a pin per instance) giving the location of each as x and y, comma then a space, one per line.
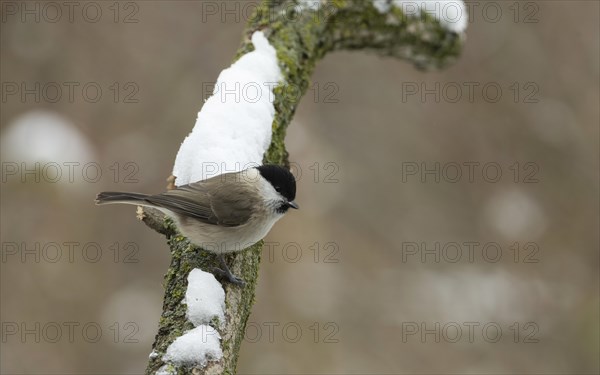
344, 287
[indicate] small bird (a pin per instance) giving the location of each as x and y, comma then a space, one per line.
225, 213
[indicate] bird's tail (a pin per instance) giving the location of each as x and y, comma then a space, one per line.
109, 197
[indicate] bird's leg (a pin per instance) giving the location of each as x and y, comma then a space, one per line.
225, 273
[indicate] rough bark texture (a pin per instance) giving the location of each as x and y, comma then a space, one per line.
300, 38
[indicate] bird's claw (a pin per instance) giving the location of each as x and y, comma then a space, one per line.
229, 277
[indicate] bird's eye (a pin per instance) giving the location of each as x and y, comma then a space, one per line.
278, 189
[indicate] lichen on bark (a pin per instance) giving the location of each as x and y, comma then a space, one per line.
301, 37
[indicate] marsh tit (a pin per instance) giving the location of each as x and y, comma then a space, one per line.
225, 213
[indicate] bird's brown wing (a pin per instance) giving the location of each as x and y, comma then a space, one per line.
214, 201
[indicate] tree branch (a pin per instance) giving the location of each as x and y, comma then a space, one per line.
301, 36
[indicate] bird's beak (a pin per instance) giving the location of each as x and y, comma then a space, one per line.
293, 205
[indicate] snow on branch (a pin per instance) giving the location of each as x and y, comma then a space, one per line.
233, 131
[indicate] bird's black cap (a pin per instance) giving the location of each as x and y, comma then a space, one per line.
281, 179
